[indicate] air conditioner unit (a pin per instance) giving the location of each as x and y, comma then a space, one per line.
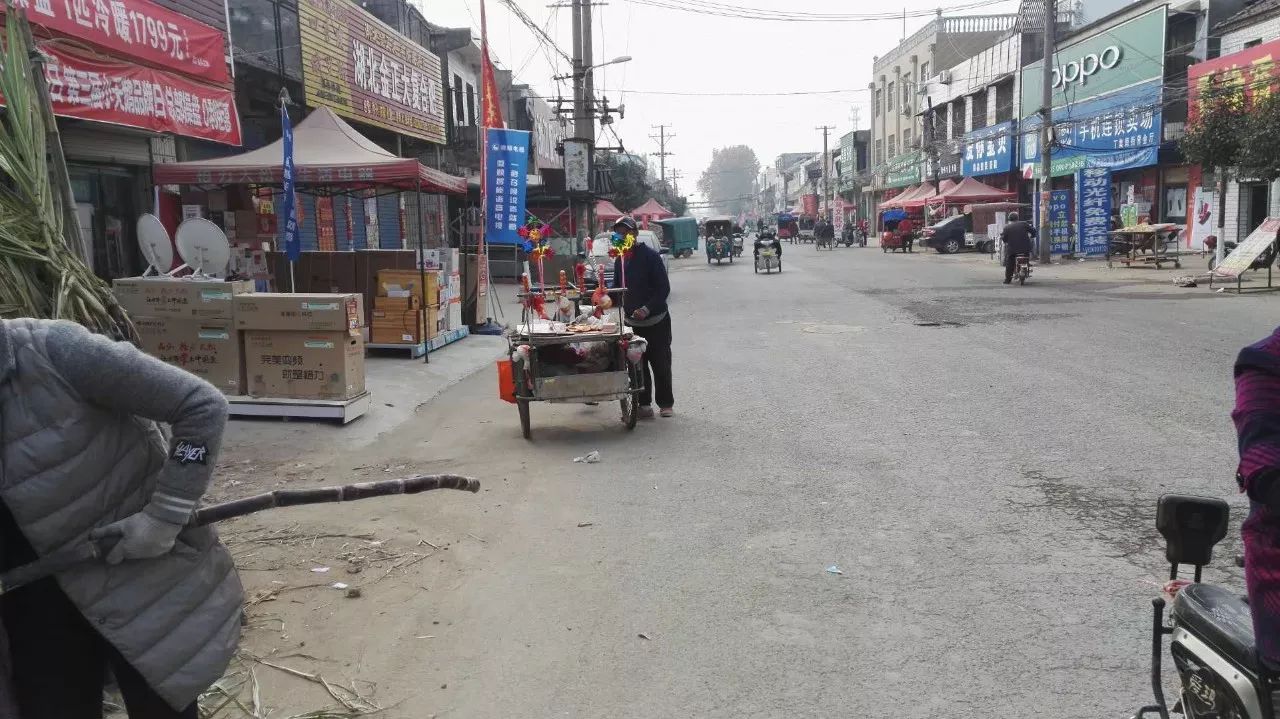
944, 77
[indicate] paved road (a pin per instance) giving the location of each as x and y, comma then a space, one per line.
981, 462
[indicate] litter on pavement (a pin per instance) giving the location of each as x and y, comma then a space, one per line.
590, 458
833, 569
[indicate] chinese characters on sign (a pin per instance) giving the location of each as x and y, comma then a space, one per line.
1243, 256
1060, 221
1093, 209
136, 96
989, 151
1119, 131
1248, 75
506, 172
136, 29
289, 206
364, 70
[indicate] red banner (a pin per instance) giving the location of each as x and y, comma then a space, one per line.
809, 205
125, 94
136, 29
1249, 74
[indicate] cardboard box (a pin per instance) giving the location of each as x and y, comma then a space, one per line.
403, 283
304, 365
405, 326
319, 312
209, 350
189, 299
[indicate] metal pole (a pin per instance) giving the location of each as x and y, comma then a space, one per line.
1046, 128
579, 112
422, 278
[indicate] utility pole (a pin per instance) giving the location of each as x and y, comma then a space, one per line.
662, 153
826, 172
675, 182
584, 110
1046, 128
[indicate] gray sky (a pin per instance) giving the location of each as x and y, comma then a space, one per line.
698, 54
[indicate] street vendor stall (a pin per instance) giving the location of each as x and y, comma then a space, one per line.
1144, 244
561, 354
332, 158
968, 191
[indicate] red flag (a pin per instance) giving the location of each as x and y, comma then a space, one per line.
490, 104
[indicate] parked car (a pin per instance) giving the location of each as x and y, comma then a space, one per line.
950, 235
600, 255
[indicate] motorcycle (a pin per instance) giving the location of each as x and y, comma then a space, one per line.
737, 244
1210, 628
1022, 269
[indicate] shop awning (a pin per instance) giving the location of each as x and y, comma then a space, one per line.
327, 152
653, 210
970, 190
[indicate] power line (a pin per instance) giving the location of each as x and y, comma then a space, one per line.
701, 7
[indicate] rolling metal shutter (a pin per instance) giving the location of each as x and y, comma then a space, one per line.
90, 144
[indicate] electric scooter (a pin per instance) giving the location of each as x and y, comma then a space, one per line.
1022, 269
1210, 628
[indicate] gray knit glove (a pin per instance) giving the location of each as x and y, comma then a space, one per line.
141, 536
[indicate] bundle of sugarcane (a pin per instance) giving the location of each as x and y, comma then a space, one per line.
43, 272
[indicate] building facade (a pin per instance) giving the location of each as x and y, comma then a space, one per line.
899, 90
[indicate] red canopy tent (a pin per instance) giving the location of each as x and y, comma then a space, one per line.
922, 190
945, 185
652, 210
607, 212
970, 190
327, 153
893, 201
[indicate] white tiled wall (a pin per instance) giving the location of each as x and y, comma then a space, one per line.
1265, 31
1231, 226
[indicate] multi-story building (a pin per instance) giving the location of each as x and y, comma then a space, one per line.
852, 173
899, 82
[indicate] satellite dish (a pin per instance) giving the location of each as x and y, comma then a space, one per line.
154, 243
203, 247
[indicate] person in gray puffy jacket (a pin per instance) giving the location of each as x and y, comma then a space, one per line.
83, 457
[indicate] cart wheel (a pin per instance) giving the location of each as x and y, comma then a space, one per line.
708, 259
884, 249
1177, 265
731, 258
756, 269
523, 406
1022, 279
630, 406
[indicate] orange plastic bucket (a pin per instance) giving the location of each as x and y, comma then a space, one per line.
507, 380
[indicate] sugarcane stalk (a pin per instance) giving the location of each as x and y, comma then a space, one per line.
65, 559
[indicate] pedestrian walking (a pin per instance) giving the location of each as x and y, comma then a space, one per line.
85, 459
645, 307
1257, 420
1016, 238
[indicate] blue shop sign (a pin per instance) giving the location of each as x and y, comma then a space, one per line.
989, 151
1119, 131
506, 175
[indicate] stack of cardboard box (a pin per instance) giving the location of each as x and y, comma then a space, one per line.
302, 346
405, 310
189, 324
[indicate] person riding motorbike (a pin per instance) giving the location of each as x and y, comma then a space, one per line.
1016, 238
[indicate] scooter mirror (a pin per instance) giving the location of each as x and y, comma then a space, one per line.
1191, 527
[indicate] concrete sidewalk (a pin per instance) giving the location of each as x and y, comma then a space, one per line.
400, 387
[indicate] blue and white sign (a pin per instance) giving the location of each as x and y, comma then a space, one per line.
289, 208
990, 150
506, 178
1093, 221
1060, 221
1119, 131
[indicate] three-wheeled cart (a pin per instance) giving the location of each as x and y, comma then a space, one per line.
567, 363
